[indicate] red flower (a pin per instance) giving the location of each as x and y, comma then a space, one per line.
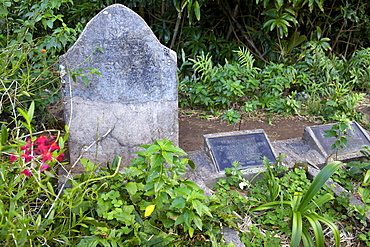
26, 172
47, 156
54, 146
27, 157
43, 50
12, 158
44, 167
41, 149
28, 147
60, 157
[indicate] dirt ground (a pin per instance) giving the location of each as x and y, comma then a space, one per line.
192, 127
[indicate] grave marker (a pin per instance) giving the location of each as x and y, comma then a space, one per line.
134, 102
247, 147
314, 137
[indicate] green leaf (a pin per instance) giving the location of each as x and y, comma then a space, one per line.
296, 229
4, 135
158, 185
206, 211
156, 160
167, 145
99, 49
191, 231
29, 114
333, 228
178, 203
319, 33
180, 220
197, 10
50, 188
198, 222
116, 162
318, 182
28, 37
149, 150
50, 23
198, 206
88, 165
125, 214
319, 201
307, 239
18, 195
168, 156
94, 222
317, 229
85, 80
131, 188
279, 4
271, 205
366, 180
183, 191
188, 216
191, 164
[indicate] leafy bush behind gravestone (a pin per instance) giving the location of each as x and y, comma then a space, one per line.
32, 36
328, 84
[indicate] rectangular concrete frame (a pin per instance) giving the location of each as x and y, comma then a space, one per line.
207, 146
312, 140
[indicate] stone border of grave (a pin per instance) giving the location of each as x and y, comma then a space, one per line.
297, 150
314, 137
226, 147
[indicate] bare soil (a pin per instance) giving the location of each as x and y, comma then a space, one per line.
193, 125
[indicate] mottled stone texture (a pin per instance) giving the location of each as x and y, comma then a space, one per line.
134, 100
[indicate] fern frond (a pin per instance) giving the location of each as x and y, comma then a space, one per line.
246, 59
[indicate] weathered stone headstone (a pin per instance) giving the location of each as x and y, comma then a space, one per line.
134, 102
358, 138
248, 147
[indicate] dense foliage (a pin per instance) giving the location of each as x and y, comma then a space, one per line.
296, 46
283, 56
151, 204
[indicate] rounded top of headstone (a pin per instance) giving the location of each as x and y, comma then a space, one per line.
134, 65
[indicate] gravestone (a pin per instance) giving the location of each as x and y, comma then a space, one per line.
358, 138
133, 102
247, 147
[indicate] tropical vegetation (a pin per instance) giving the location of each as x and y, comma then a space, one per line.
286, 57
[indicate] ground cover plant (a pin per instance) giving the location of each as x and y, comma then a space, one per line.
272, 64
274, 207
355, 179
150, 204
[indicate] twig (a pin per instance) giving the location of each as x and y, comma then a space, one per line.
84, 150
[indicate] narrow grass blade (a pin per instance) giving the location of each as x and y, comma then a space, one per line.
318, 182
270, 205
317, 229
306, 238
296, 229
319, 201
333, 228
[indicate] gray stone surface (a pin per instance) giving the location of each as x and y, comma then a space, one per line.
358, 138
296, 150
247, 147
134, 102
